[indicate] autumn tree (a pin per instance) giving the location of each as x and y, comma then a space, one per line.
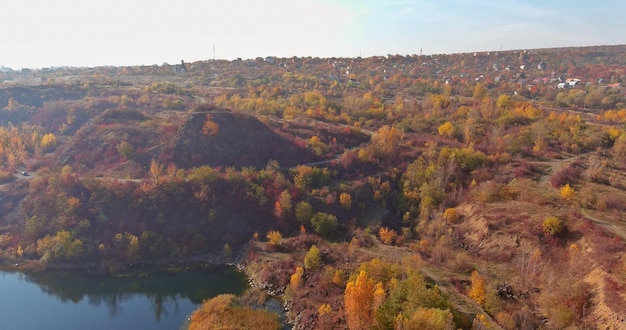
304, 212
386, 140
359, 302
48, 142
318, 147
566, 192
296, 279
428, 318
210, 127
313, 258
553, 226
477, 291
387, 236
125, 149
283, 205
127, 246
345, 200
156, 172
274, 237
447, 129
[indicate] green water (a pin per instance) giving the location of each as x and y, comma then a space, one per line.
153, 300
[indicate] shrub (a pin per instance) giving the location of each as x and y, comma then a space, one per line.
226, 312
387, 236
566, 192
553, 226
274, 237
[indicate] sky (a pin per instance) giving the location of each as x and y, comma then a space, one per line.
81, 33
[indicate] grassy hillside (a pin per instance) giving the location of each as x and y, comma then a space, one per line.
447, 191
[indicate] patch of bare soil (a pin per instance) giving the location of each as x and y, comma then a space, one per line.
601, 313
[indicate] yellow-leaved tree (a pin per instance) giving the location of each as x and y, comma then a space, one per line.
477, 291
48, 142
359, 302
566, 192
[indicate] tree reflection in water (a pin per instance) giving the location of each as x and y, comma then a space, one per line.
161, 288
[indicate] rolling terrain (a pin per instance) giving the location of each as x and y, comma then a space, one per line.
474, 191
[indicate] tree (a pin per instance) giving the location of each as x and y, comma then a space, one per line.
386, 140
504, 102
283, 205
304, 212
274, 237
48, 142
296, 279
313, 258
210, 127
324, 223
318, 147
156, 172
345, 200
428, 318
566, 192
553, 226
359, 301
479, 92
477, 291
125, 149
447, 129
387, 236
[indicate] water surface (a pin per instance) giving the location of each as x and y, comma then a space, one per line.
152, 300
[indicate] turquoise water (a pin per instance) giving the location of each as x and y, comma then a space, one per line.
62, 300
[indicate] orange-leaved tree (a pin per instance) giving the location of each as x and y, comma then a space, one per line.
360, 301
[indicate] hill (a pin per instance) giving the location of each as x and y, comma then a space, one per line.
478, 190
220, 137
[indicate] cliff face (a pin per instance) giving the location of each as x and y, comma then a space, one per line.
221, 137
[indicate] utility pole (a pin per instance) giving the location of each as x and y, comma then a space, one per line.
214, 52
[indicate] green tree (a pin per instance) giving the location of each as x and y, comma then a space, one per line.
324, 223
313, 258
125, 149
304, 212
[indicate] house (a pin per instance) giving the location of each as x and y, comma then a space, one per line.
614, 86
180, 68
542, 66
572, 82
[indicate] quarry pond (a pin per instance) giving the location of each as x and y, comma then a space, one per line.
150, 299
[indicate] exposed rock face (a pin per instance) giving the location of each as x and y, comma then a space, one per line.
221, 137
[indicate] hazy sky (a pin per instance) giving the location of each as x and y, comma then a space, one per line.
44, 33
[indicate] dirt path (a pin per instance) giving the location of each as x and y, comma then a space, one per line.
614, 228
554, 166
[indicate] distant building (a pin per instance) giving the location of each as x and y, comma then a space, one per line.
542, 66
180, 68
572, 82
614, 86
